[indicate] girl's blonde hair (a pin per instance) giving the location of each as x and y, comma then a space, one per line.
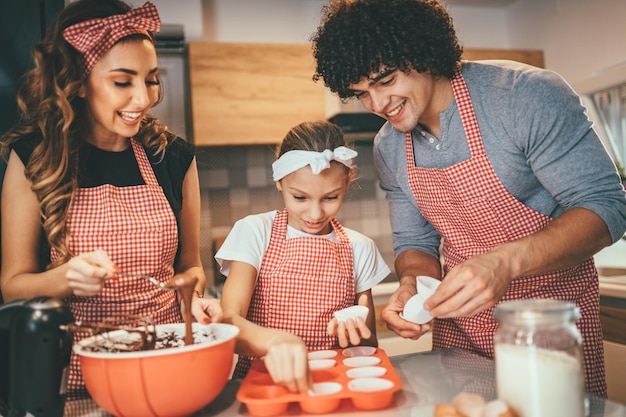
312, 136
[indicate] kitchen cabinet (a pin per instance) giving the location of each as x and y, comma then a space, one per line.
613, 319
245, 94
528, 56
253, 93
611, 264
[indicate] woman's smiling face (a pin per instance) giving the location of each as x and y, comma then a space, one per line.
122, 87
312, 200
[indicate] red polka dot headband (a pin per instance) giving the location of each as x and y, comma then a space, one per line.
94, 37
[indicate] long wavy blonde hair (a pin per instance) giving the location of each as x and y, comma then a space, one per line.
51, 109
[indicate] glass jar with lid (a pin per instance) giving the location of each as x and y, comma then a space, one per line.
539, 359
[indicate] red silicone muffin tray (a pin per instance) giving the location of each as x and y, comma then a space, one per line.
363, 377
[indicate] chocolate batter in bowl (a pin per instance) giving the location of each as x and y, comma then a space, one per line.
153, 382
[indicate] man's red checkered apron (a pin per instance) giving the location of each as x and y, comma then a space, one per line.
137, 228
473, 212
302, 282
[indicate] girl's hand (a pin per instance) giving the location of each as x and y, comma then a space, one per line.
349, 332
287, 362
206, 310
88, 271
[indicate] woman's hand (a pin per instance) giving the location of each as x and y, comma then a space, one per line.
349, 332
87, 272
287, 362
206, 310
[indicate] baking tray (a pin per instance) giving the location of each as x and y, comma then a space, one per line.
361, 377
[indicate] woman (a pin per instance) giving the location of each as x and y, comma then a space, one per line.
95, 188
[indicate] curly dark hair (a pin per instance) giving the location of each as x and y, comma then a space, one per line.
359, 37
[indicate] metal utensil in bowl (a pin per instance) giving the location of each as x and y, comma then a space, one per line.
184, 285
162, 285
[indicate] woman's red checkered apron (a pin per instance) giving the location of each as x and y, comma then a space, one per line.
137, 228
302, 282
473, 212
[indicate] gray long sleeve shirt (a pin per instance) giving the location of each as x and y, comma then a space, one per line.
537, 136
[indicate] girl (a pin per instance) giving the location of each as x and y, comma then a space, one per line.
289, 271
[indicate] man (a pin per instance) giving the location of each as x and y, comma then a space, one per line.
495, 161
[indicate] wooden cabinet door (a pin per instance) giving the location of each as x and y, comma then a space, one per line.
244, 94
527, 56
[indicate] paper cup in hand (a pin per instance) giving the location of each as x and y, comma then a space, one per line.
414, 308
351, 312
426, 286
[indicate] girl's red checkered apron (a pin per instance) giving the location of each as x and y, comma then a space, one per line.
137, 228
302, 282
473, 212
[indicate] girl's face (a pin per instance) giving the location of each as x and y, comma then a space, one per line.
120, 90
313, 200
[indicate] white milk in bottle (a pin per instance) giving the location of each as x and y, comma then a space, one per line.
538, 358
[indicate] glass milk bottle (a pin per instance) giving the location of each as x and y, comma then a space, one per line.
538, 358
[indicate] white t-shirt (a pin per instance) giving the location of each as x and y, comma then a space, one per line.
250, 237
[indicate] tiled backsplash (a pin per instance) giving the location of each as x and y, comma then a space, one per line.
237, 180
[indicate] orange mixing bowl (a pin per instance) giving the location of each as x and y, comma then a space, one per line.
168, 382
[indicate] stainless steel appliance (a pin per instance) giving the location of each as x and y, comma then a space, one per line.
34, 357
175, 109
356, 121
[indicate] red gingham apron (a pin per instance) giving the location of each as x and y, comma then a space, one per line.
137, 228
473, 212
301, 283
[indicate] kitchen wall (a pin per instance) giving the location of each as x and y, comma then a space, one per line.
582, 40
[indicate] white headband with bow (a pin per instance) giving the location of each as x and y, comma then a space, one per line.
294, 160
